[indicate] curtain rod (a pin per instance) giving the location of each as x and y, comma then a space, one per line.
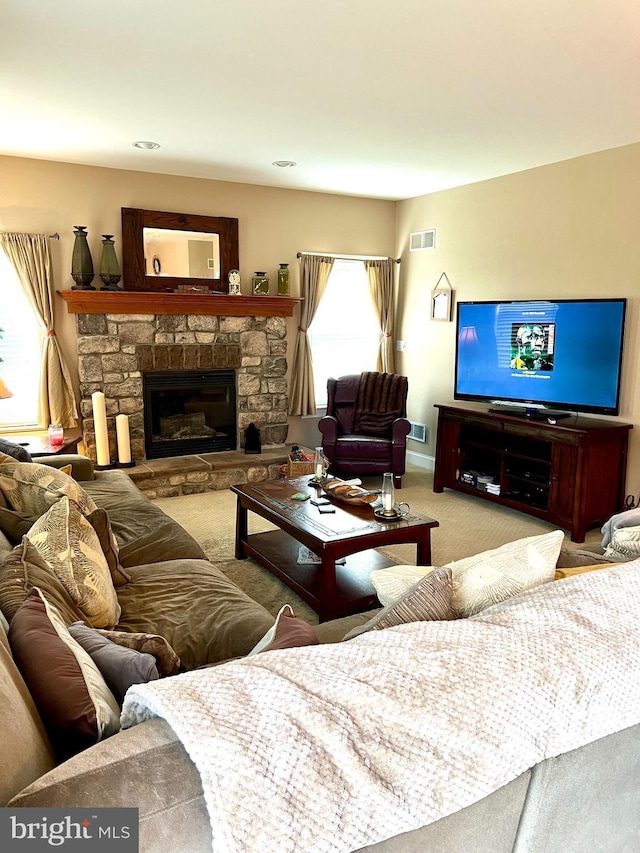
55, 236
342, 258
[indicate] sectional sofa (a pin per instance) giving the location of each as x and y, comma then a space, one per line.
585, 799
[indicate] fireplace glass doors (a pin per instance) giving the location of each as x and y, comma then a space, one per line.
189, 412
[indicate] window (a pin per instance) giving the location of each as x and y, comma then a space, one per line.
20, 349
345, 334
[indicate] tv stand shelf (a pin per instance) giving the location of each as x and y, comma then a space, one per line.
571, 473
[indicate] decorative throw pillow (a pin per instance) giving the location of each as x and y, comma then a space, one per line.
428, 600
99, 520
16, 451
75, 704
33, 488
287, 633
625, 543
120, 667
23, 569
69, 544
167, 660
14, 524
392, 583
493, 576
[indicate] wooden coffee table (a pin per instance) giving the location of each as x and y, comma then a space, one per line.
350, 532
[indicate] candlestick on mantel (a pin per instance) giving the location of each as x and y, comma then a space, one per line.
100, 428
124, 442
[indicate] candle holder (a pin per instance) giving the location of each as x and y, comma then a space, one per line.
388, 496
56, 435
319, 467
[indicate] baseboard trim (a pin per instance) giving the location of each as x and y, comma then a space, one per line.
421, 460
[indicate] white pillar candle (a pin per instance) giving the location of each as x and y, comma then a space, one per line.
124, 440
100, 428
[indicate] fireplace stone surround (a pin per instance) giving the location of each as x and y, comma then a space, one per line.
115, 349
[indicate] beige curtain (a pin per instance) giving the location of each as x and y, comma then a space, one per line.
314, 274
31, 259
380, 275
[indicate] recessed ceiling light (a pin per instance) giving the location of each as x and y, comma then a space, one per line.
284, 164
147, 146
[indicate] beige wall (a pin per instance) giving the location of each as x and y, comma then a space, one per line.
567, 230
274, 224
560, 231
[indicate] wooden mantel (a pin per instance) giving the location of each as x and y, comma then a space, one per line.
142, 302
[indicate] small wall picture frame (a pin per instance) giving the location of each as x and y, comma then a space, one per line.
441, 301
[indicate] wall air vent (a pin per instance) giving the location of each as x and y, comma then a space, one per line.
419, 241
418, 432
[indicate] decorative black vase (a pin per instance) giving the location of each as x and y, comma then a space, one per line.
81, 262
109, 269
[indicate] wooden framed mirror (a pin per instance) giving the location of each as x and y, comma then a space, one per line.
177, 252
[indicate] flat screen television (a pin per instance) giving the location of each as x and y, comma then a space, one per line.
537, 355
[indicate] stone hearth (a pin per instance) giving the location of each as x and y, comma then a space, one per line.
114, 350
189, 475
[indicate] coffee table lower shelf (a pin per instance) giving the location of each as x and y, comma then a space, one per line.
277, 551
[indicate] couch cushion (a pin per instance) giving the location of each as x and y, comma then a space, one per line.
26, 752
428, 600
120, 667
366, 447
32, 488
203, 615
23, 569
144, 532
69, 544
75, 704
146, 767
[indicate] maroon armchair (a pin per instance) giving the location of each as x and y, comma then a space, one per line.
356, 438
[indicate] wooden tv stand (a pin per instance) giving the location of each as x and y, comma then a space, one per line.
571, 473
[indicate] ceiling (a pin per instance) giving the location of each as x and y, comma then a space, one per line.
370, 98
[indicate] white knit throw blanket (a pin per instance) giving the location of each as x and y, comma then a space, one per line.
334, 747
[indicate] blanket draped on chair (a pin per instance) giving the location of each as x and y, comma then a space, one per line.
381, 398
333, 747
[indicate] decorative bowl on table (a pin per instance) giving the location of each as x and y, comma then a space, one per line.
348, 493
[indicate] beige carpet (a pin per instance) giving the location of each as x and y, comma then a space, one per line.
467, 526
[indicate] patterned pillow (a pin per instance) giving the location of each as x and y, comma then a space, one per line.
428, 600
493, 576
75, 704
69, 544
625, 543
392, 583
32, 488
23, 569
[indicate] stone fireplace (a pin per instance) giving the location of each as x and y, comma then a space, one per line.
117, 351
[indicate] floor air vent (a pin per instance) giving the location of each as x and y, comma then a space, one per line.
418, 432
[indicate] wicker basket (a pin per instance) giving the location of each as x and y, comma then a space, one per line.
295, 468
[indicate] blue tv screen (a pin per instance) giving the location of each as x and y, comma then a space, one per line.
565, 354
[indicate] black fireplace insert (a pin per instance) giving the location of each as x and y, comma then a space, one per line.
189, 412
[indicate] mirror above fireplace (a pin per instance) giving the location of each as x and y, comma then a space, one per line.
177, 252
